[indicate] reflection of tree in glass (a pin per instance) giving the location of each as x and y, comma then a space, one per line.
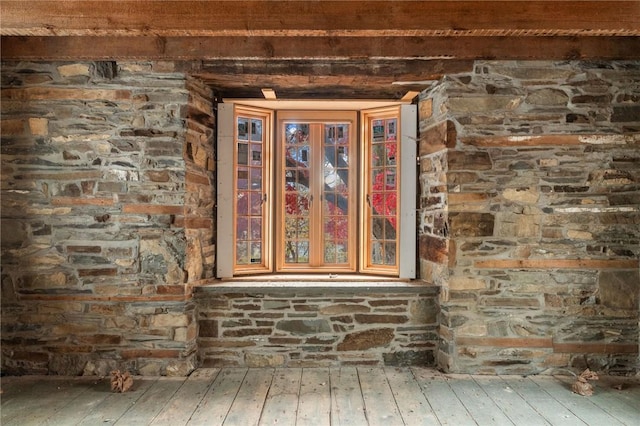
383, 200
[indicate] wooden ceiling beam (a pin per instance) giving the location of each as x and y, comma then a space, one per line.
360, 18
321, 48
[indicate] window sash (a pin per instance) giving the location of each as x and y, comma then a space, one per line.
315, 200
244, 184
388, 219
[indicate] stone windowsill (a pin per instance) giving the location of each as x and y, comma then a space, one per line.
312, 283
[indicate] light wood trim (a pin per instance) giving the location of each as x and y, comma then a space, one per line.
551, 140
316, 262
266, 265
226, 196
595, 348
506, 342
557, 264
366, 217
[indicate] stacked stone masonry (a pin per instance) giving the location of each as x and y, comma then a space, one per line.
93, 210
318, 328
528, 229
542, 201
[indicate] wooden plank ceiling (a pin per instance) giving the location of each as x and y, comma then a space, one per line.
360, 48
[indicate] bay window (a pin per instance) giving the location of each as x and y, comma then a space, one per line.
316, 191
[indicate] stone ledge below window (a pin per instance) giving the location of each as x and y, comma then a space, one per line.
313, 284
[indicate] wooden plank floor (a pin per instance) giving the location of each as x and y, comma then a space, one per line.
317, 396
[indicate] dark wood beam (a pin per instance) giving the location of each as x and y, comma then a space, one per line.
347, 79
326, 48
319, 18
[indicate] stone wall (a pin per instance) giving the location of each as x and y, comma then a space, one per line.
543, 214
200, 182
317, 326
529, 229
93, 218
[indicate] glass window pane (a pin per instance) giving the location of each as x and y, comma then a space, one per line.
378, 155
243, 128
242, 228
256, 252
303, 252
390, 253
391, 129
377, 131
256, 154
376, 253
342, 252
256, 179
256, 130
329, 253
242, 177
242, 203
243, 154
256, 203
256, 229
242, 253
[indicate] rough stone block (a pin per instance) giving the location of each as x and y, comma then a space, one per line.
620, 289
368, 339
72, 70
208, 328
522, 195
380, 319
304, 326
343, 308
462, 160
465, 224
483, 103
547, 97
433, 139
518, 225
409, 358
423, 311
457, 283
434, 249
39, 126
425, 109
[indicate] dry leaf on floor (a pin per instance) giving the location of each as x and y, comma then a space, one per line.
121, 382
582, 385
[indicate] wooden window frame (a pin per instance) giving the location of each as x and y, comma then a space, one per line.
406, 173
317, 264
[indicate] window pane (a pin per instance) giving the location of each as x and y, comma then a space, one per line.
256, 204
256, 154
242, 207
243, 128
242, 181
242, 253
256, 229
256, 252
390, 253
242, 228
256, 130
256, 179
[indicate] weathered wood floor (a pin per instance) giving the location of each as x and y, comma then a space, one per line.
316, 396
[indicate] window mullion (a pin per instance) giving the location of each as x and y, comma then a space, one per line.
316, 182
